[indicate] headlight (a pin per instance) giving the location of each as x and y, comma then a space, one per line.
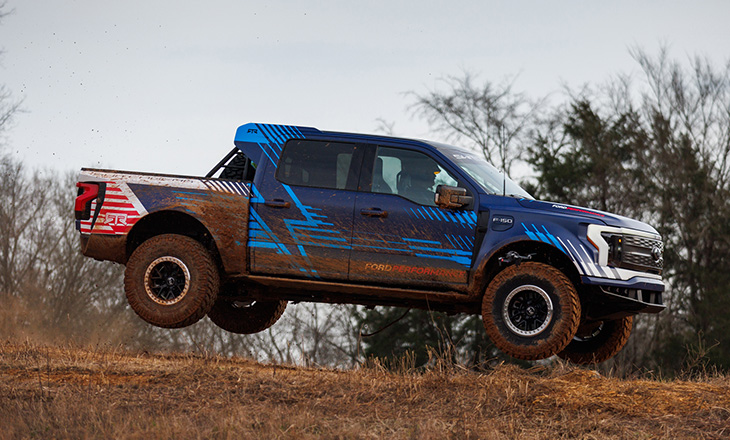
615, 248
627, 248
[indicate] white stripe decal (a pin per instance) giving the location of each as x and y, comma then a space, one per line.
587, 266
227, 187
575, 260
590, 260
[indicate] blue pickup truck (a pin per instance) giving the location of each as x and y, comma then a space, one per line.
298, 214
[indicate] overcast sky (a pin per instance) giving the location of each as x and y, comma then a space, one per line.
161, 85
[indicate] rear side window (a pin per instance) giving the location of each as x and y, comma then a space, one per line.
317, 164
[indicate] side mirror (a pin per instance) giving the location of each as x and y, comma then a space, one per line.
451, 197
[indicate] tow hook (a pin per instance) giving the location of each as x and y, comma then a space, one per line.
513, 257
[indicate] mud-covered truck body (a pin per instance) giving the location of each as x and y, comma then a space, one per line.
298, 214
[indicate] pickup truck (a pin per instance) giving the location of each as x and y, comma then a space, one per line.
298, 214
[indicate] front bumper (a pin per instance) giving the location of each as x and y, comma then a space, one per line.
637, 282
608, 299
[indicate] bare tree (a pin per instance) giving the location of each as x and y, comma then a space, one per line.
386, 127
14, 196
307, 334
8, 106
323, 334
50, 290
22, 210
492, 117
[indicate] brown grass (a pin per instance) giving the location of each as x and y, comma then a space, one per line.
52, 392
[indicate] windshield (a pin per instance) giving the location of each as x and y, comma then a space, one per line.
483, 172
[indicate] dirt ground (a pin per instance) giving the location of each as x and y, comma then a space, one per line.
61, 392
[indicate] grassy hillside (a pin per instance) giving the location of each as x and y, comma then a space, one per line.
52, 392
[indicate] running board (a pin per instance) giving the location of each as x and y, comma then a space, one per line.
292, 289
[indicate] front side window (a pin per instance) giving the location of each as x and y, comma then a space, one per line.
316, 164
409, 174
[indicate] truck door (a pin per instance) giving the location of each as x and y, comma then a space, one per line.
400, 236
301, 212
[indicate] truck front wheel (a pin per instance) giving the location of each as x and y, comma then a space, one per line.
531, 311
599, 341
246, 317
171, 281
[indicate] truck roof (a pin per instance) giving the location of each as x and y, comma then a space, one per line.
267, 133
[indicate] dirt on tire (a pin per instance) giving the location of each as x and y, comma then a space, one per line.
610, 338
201, 275
246, 319
563, 323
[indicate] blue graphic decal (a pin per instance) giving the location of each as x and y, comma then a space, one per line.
464, 261
256, 195
266, 133
313, 223
553, 239
314, 229
546, 237
459, 252
269, 138
466, 219
530, 233
415, 240
463, 243
260, 235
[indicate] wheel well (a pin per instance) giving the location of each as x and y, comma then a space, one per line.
170, 222
541, 252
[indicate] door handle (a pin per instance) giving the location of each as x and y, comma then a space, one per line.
374, 212
277, 203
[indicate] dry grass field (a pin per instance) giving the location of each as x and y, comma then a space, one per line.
56, 392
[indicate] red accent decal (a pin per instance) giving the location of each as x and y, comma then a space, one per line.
584, 211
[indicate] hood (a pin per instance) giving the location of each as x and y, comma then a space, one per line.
606, 217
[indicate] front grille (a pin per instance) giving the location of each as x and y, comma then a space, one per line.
642, 242
642, 253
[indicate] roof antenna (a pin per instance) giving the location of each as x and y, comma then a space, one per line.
504, 182
504, 169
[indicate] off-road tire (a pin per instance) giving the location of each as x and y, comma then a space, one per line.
517, 314
171, 281
246, 319
593, 345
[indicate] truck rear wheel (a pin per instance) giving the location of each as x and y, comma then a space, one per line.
531, 311
599, 341
246, 317
171, 281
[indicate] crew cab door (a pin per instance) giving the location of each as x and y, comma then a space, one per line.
400, 236
301, 211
